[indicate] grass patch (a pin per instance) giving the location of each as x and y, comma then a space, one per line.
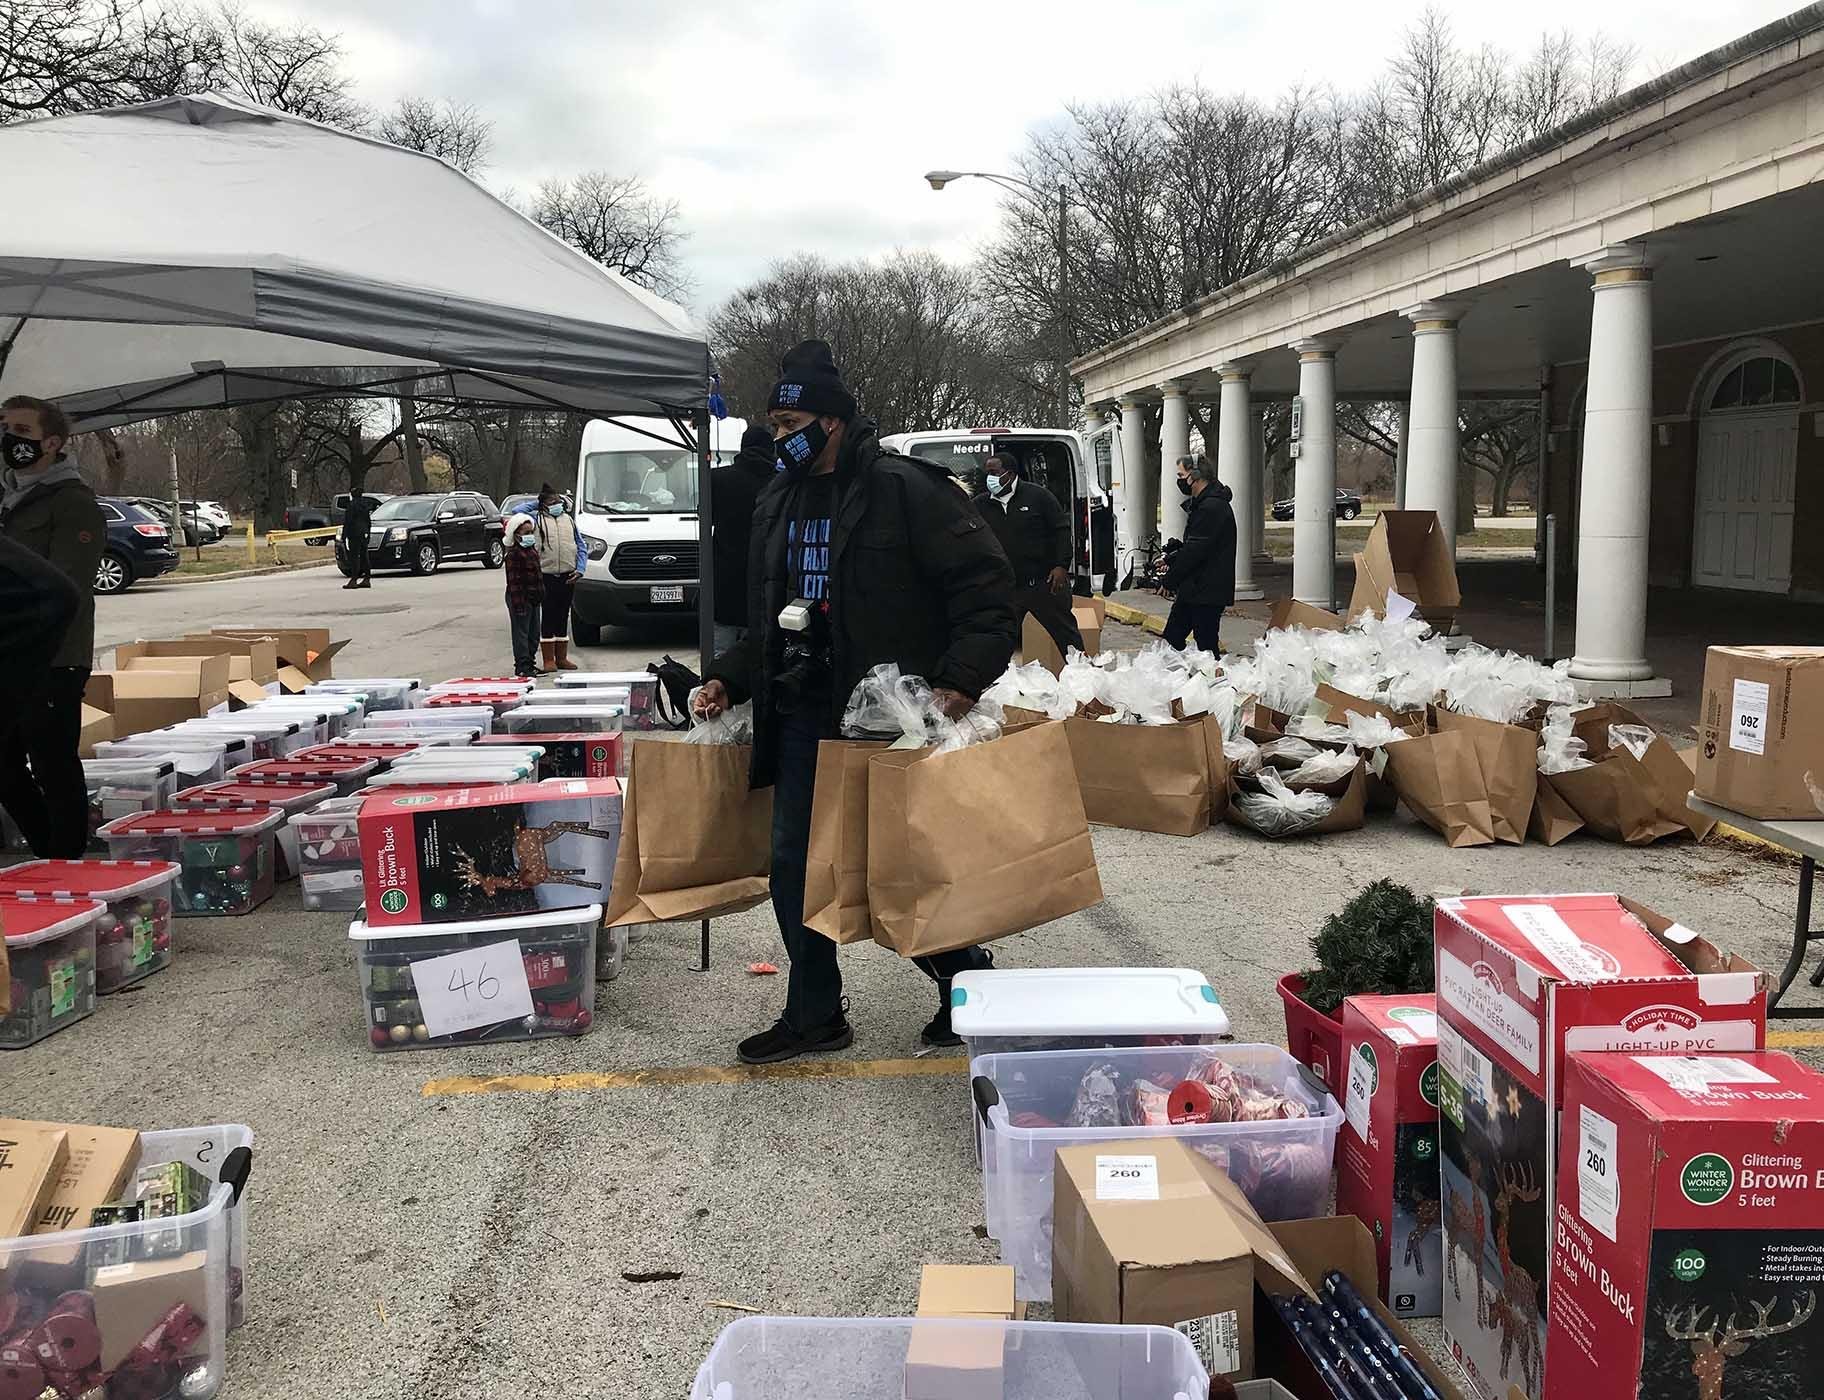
230, 558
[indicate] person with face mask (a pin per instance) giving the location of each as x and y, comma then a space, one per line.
858, 556
525, 592
46, 507
1200, 572
733, 490
560, 557
1034, 534
357, 521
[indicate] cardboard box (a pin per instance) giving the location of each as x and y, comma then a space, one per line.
1036, 644
150, 692
1289, 612
98, 1164
1760, 731
1149, 1232
487, 852
569, 755
31, 1165
131, 1298
97, 727
1522, 981
1690, 1207
248, 660
960, 1363
305, 654
1407, 553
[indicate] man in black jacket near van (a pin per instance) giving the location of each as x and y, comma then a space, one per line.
1034, 534
858, 557
733, 490
1200, 573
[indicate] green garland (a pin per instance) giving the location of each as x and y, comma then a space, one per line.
1378, 944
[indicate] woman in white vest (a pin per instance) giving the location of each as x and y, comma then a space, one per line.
560, 560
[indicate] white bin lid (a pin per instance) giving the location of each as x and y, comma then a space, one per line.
1065, 1001
585, 678
507, 926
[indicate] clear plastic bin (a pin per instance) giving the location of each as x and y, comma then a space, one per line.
580, 695
430, 735
133, 938
50, 945
345, 773
119, 787
329, 853
477, 717
289, 798
339, 713
496, 703
382, 692
557, 947
611, 952
351, 750
480, 685
227, 855
269, 738
642, 701
568, 755
194, 758
1282, 1165
452, 775
508, 751
1001, 1010
563, 719
50, 1267
865, 1358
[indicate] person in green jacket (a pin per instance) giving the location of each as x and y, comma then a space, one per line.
46, 507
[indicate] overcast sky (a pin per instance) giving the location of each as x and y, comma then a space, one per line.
804, 125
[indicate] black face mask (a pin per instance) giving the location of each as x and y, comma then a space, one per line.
1184, 487
797, 451
21, 453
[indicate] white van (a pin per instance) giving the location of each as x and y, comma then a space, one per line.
1078, 468
636, 505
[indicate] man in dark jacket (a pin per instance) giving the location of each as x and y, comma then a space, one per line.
1200, 573
356, 521
733, 489
1034, 534
46, 507
858, 557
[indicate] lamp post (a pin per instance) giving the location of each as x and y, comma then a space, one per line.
1040, 199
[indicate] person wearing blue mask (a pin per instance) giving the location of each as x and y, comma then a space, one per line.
525, 592
560, 558
858, 556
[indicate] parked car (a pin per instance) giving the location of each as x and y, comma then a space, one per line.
139, 546
421, 532
308, 517
198, 530
1348, 506
214, 512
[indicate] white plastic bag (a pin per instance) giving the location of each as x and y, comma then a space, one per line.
1311, 727
1323, 768
1029, 687
1242, 751
1372, 731
735, 725
1277, 810
886, 704
1635, 738
1560, 751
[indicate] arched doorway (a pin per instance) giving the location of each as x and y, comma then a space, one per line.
1747, 449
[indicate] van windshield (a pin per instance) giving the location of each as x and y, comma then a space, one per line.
646, 481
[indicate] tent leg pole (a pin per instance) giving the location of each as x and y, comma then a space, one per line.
703, 965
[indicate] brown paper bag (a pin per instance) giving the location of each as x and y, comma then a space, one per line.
1340, 703
1348, 814
1439, 778
1553, 817
1672, 783
695, 842
1509, 756
1169, 778
1617, 799
836, 861
976, 844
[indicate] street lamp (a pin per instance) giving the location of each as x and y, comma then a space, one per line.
1039, 198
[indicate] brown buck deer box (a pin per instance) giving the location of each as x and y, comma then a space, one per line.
478, 853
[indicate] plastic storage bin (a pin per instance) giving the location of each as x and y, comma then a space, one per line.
557, 947
226, 855
810, 1358
496, 703
1282, 1164
289, 798
345, 774
480, 685
382, 692
329, 853
46, 1267
580, 695
430, 735
268, 738
564, 719
194, 760
338, 713
642, 692
50, 945
133, 936
1315, 1039
997, 1010
477, 717
119, 787
509, 750
449, 775
350, 750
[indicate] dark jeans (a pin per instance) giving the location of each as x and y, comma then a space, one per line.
1053, 612
41, 784
356, 557
813, 996
559, 592
1187, 618
523, 623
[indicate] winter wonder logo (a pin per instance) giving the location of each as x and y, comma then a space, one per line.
393, 901
1707, 1179
1428, 1084
1662, 1019
424, 800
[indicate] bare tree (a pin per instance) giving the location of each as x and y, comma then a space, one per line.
452, 131
296, 68
61, 55
617, 222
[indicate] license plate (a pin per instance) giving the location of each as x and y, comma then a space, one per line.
667, 593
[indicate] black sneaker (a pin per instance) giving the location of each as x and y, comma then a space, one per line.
938, 1033
781, 1042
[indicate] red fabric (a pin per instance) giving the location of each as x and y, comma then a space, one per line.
525, 584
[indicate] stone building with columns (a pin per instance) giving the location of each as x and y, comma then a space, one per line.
1651, 273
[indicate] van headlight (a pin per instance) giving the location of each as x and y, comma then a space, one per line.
593, 547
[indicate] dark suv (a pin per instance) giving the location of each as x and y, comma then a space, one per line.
421, 532
139, 546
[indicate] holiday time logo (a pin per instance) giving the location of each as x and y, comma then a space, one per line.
1707, 1179
1661, 1020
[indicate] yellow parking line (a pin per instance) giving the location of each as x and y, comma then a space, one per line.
1788, 1040
696, 1074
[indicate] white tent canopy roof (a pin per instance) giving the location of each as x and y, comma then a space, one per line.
203, 251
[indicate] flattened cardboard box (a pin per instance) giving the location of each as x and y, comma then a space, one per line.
1289, 612
98, 1165
305, 654
1036, 644
1760, 731
97, 727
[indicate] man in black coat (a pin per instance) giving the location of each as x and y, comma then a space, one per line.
1034, 534
733, 489
859, 556
356, 521
1200, 573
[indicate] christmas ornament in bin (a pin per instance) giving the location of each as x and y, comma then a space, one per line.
289, 798
50, 946
133, 937
226, 856
480, 853
517, 978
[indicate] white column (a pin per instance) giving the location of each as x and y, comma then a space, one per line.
1615, 506
1139, 486
1399, 456
1431, 459
1314, 477
1174, 442
1235, 434
1257, 449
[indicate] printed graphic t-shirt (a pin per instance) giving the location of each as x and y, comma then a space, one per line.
808, 560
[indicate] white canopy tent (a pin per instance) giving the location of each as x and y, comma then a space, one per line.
202, 252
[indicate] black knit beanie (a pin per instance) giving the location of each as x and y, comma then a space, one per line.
809, 382
757, 438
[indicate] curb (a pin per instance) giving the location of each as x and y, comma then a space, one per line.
1137, 617
174, 578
